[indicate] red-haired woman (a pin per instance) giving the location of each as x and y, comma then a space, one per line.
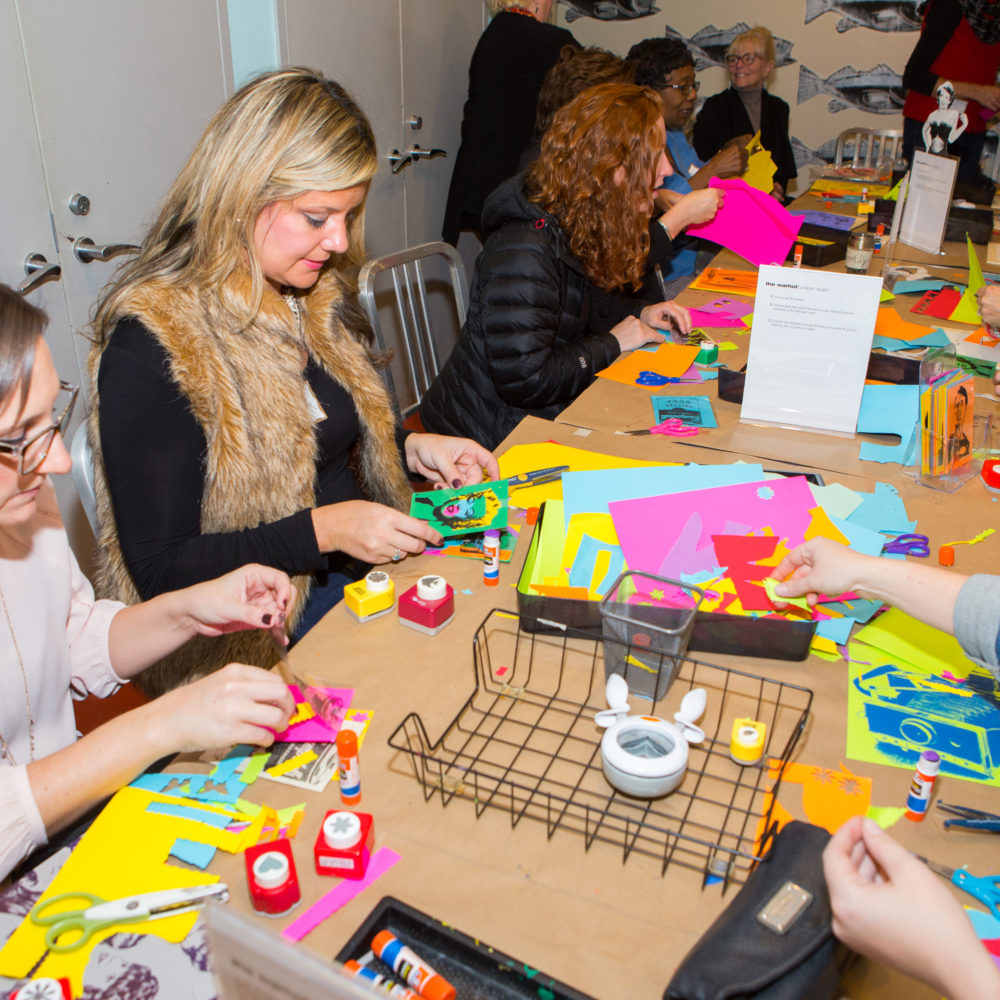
576, 222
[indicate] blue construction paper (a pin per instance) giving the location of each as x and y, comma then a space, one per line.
708, 374
890, 409
882, 510
591, 492
192, 852
858, 609
860, 538
837, 630
831, 220
219, 820
192, 786
935, 338
226, 767
694, 410
582, 570
921, 285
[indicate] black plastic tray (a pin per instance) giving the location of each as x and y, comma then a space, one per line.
477, 971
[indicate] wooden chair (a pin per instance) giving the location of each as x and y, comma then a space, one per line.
872, 147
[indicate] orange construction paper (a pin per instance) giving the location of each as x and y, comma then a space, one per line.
888, 323
822, 527
669, 360
722, 279
830, 797
982, 338
572, 593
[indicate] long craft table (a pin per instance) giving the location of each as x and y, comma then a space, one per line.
608, 927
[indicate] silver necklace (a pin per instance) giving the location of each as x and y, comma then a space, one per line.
4, 748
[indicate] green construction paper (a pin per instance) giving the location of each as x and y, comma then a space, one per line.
836, 499
967, 310
886, 816
769, 585
463, 511
256, 764
886, 296
915, 644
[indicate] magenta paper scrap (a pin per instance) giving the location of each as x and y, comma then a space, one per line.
703, 317
315, 730
750, 223
734, 307
670, 535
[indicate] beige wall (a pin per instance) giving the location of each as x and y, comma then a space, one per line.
817, 45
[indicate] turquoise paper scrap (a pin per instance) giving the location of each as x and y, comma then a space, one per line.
883, 510
935, 338
890, 409
693, 410
193, 853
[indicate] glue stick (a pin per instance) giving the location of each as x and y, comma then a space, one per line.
411, 967
491, 557
381, 983
798, 254
922, 785
350, 772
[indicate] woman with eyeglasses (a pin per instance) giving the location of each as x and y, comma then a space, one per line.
57, 642
239, 414
746, 107
574, 225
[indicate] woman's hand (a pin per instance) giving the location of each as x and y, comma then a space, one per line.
250, 597
667, 316
988, 95
633, 332
884, 900
370, 532
450, 461
819, 567
988, 300
238, 704
730, 161
694, 207
778, 191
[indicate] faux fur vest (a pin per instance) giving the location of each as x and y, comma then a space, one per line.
245, 388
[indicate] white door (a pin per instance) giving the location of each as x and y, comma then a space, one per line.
102, 100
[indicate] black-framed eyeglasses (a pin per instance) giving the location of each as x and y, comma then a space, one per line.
684, 88
748, 59
32, 451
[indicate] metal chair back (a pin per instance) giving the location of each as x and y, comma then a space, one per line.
412, 311
872, 147
83, 474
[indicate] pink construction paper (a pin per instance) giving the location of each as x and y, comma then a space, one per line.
669, 535
314, 730
750, 223
381, 861
735, 307
703, 317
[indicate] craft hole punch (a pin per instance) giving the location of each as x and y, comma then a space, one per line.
344, 844
371, 597
746, 741
44, 988
643, 755
428, 606
271, 877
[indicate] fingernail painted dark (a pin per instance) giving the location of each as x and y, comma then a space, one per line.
266, 619
456, 483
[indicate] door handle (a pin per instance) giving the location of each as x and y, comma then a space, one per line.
85, 250
397, 160
417, 153
37, 269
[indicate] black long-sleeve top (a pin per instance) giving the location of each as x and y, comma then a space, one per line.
154, 456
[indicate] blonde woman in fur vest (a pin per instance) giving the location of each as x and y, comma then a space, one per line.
239, 413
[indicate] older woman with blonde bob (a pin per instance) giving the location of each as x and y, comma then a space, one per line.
747, 107
576, 222
239, 413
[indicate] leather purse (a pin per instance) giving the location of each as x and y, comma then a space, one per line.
775, 940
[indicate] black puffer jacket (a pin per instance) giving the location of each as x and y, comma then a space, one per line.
537, 330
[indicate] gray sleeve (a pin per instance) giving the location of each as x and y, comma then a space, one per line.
977, 620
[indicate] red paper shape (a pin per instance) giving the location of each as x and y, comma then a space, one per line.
739, 553
938, 302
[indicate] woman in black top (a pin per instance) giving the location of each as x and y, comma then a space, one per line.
508, 66
747, 107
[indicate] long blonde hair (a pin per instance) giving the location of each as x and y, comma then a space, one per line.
282, 134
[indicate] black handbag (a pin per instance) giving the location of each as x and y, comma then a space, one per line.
774, 941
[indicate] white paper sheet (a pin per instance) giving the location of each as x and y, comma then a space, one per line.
812, 334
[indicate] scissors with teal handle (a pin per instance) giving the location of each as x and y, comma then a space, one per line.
985, 888
70, 929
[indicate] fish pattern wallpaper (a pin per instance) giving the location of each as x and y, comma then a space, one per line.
839, 63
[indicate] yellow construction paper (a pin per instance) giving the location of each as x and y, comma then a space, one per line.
832, 185
886, 296
291, 764
760, 169
822, 527
545, 455
303, 711
600, 527
123, 853
769, 587
967, 310
668, 360
918, 645
886, 816
825, 649
727, 345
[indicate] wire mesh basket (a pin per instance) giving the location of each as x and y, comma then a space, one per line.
651, 617
525, 741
